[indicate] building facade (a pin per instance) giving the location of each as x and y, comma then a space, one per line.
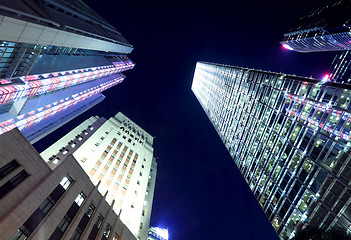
156, 233
56, 57
290, 138
117, 155
38, 202
324, 29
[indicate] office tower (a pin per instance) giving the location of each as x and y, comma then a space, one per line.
156, 233
324, 29
290, 138
56, 57
44, 203
117, 155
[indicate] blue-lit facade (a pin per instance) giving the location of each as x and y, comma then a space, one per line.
54, 63
324, 29
156, 233
290, 138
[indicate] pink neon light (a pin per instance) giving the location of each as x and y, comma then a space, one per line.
44, 83
286, 46
27, 120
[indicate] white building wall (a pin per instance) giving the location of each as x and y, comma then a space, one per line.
119, 155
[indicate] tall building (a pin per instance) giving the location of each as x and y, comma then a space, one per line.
117, 155
156, 233
324, 29
56, 57
38, 202
290, 138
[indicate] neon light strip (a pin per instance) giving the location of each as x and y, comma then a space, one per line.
44, 83
345, 135
26, 120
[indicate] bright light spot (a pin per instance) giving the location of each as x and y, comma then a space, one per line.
162, 232
286, 46
326, 77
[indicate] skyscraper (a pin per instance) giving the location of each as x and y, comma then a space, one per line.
324, 29
290, 138
42, 203
56, 57
117, 155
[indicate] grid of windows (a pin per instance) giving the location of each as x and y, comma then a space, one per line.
290, 138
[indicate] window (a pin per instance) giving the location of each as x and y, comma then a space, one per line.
64, 223
107, 231
90, 210
9, 167
77, 234
99, 221
80, 199
21, 234
48, 203
66, 182
56, 159
13, 182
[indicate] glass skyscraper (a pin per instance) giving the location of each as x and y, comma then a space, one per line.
324, 29
290, 138
56, 57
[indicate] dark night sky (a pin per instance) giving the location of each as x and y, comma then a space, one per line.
200, 194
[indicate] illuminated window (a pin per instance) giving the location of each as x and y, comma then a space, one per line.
80, 199
66, 182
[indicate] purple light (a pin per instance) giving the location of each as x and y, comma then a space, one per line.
286, 46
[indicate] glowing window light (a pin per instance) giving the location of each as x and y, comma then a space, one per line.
286, 46
162, 232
